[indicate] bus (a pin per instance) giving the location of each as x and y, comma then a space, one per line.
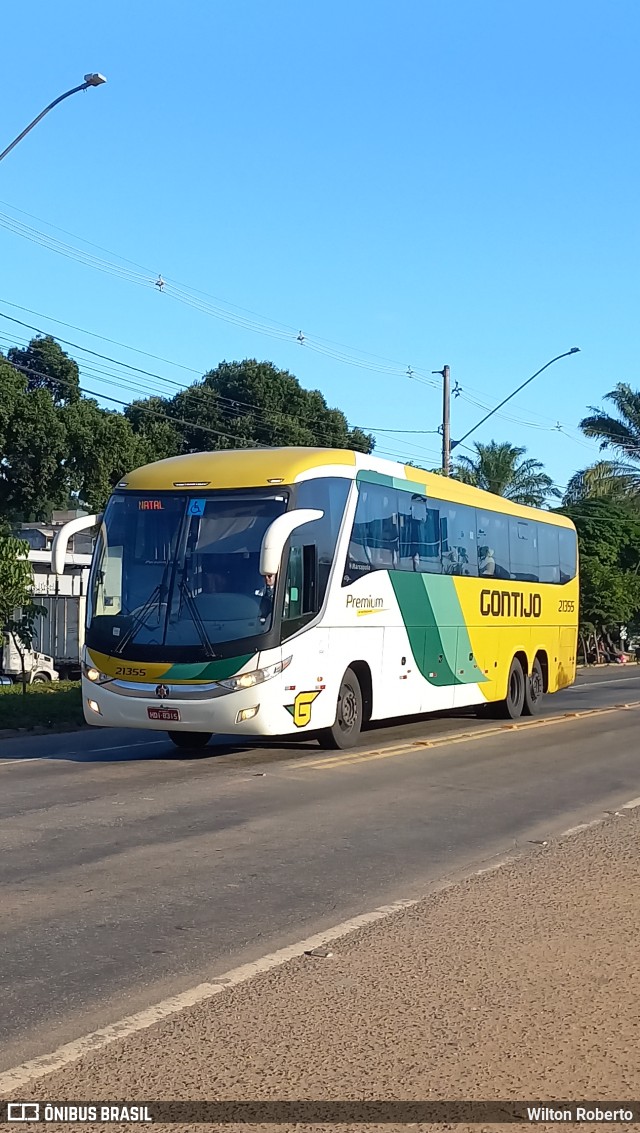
293, 591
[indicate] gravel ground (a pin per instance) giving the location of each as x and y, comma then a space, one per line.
523, 983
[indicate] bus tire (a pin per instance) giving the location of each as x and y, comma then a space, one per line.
190, 741
533, 690
511, 708
345, 731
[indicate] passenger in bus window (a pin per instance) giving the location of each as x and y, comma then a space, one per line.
486, 561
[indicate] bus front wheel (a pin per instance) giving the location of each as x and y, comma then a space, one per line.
511, 708
190, 741
345, 732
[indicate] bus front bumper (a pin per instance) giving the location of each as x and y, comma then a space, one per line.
234, 713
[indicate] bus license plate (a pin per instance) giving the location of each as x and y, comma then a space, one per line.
170, 714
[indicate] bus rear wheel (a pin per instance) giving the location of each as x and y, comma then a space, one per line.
345, 732
534, 690
190, 741
511, 708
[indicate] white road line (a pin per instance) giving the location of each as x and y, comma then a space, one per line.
19, 1076
21, 761
579, 685
580, 827
120, 747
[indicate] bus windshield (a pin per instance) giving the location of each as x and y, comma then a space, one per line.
174, 573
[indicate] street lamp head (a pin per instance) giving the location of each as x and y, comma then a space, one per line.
94, 80
575, 350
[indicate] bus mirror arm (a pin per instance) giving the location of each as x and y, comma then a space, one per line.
61, 539
277, 534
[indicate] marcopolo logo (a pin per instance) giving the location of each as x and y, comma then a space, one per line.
366, 605
510, 604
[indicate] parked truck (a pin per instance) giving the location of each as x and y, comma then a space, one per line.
57, 644
59, 635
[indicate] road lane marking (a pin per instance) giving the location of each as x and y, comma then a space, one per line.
23, 760
122, 747
20, 1076
413, 747
582, 826
577, 687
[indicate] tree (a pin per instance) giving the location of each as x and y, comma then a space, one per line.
247, 403
499, 468
33, 478
47, 367
101, 447
18, 611
609, 544
621, 434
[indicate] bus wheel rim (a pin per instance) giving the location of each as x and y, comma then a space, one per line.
348, 708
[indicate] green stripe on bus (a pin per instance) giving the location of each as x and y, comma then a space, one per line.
435, 627
211, 671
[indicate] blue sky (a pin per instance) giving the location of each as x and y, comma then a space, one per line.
452, 182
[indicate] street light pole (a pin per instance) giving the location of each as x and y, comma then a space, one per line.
574, 350
94, 80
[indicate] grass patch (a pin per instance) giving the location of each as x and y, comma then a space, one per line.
44, 706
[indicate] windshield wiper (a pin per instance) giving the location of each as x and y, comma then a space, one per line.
155, 598
197, 620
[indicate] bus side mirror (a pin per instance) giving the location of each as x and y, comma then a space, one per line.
61, 539
277, 534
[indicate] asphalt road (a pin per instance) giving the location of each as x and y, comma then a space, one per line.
130, 872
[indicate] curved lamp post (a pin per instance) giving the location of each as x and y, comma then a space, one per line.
94, 80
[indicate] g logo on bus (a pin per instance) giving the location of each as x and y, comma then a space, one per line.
162, 692
301, 707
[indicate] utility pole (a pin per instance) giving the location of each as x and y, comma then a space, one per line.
445, 372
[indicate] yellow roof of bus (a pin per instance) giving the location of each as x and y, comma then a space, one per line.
262, 467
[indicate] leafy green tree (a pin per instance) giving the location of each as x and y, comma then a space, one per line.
18, 611
609, 544
247, 403
33, 478
499, 468
101, 447
47, 367
621, 435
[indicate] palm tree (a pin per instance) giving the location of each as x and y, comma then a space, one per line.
499, 468
619, 477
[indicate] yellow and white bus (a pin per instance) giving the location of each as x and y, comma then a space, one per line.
286, 591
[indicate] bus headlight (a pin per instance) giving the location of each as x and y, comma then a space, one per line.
94, 675
255, 677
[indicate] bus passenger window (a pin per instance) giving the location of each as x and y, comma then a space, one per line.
459, 546
523, 550
548, 553
493, 544
568, 554
374, 543
419, 534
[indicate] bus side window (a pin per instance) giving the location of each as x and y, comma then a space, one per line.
549, 552
459, 545
374, 543
419, 534
493, 544
568, 554
523, 550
